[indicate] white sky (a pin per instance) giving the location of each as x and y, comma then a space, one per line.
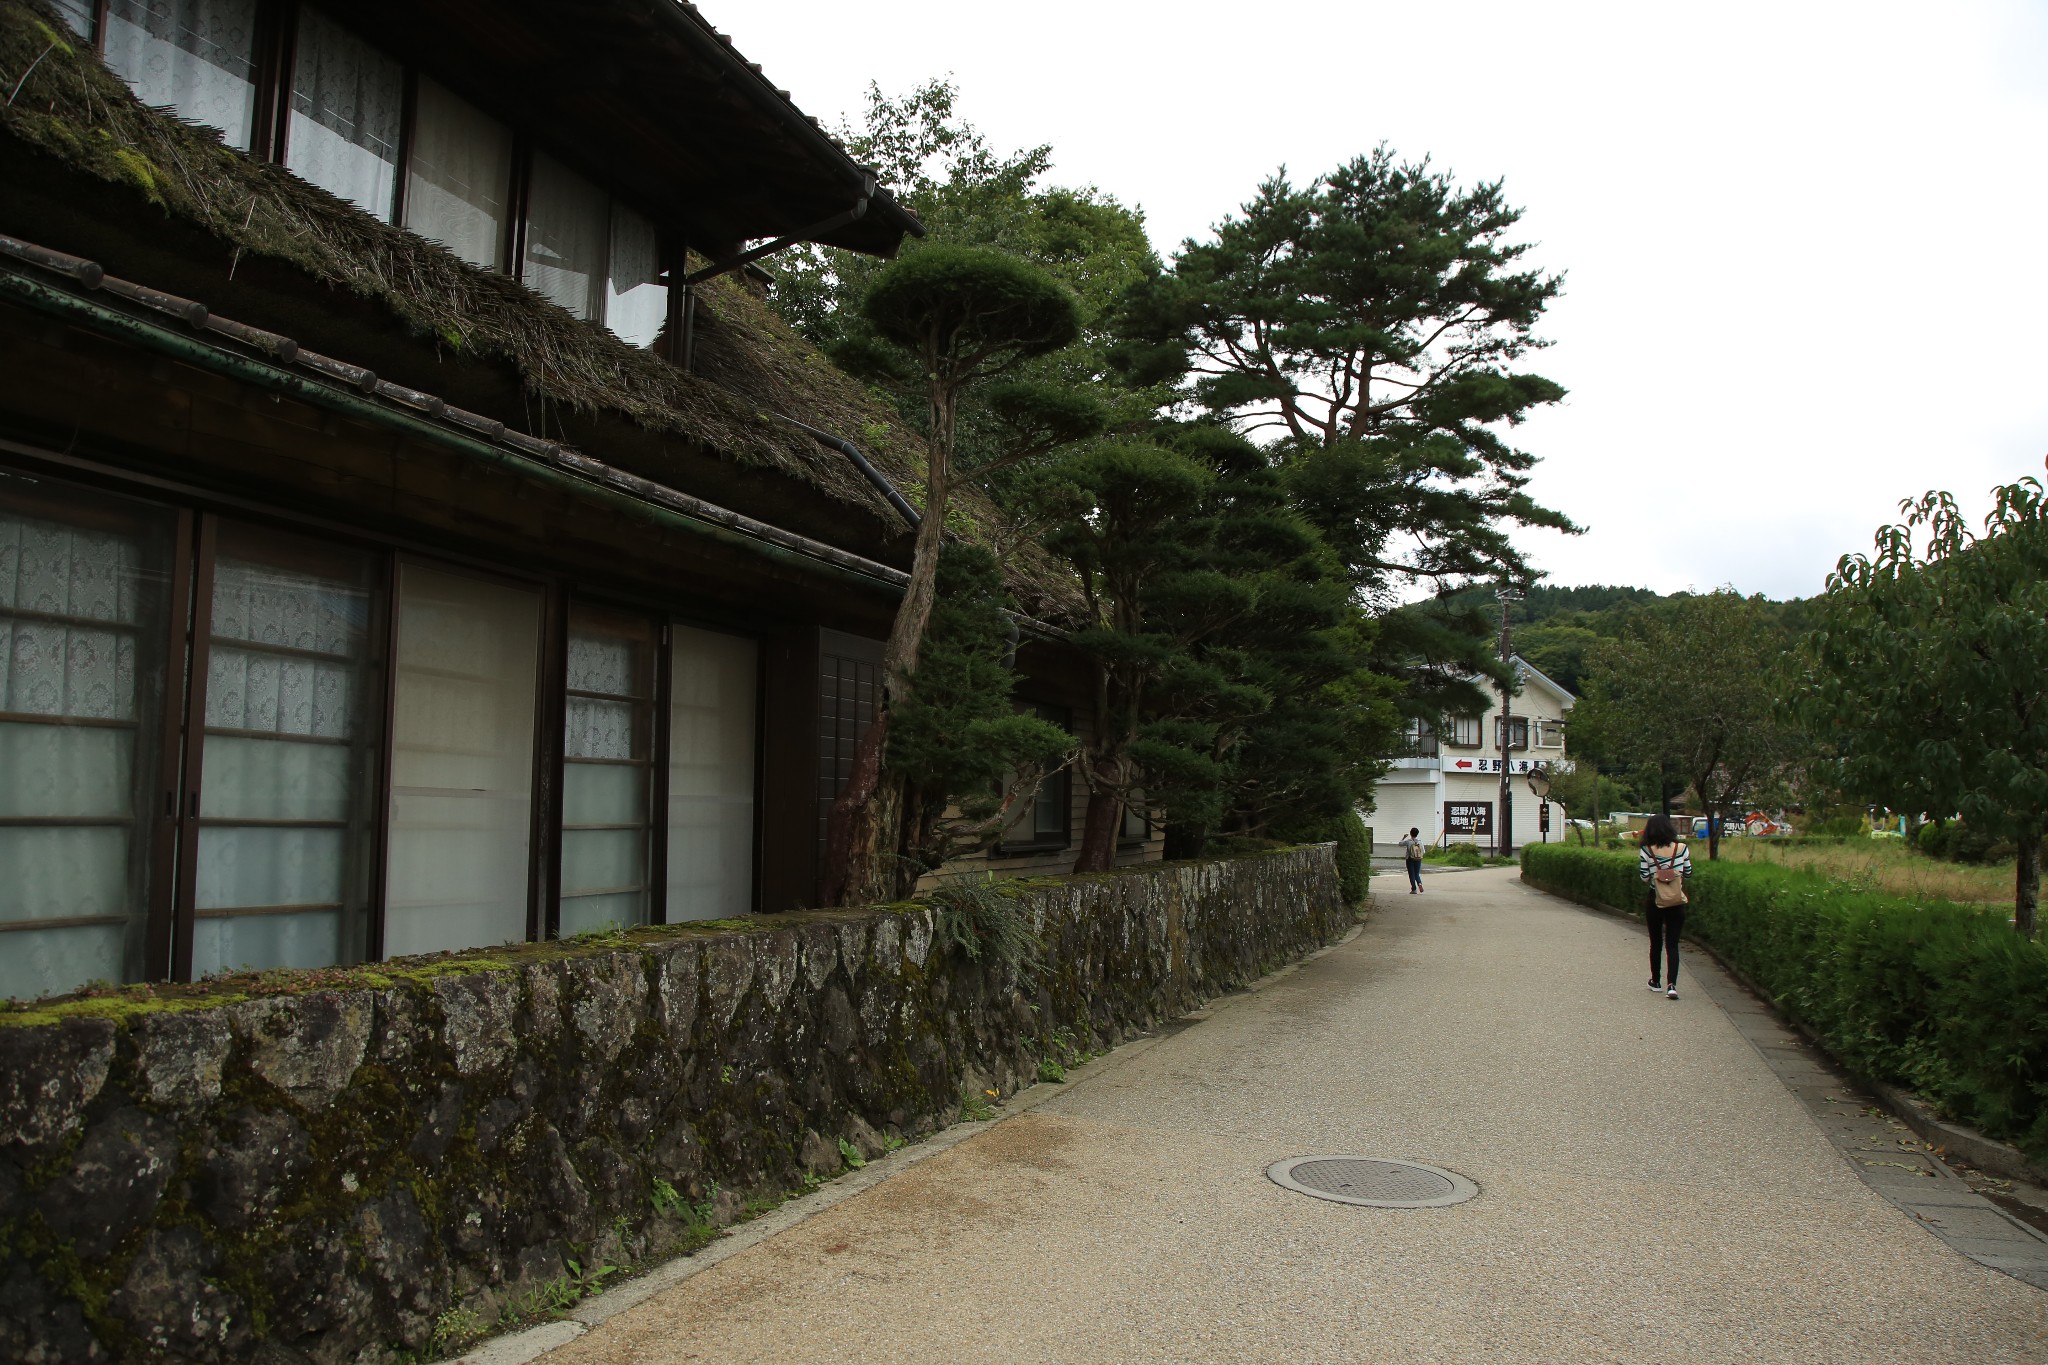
1806, 243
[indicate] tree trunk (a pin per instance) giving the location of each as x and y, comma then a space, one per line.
2026, 898
1106, 779
1713, 827
860, 836
1099, 830
863, 832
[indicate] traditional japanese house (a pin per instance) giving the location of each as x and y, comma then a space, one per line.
416, 530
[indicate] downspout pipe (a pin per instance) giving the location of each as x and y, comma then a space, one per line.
573, 473
688, 350
861, 462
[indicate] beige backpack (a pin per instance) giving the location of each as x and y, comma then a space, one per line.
1665, 881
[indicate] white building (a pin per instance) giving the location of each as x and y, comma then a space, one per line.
1448, 785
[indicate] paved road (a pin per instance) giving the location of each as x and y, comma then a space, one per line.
1650, 1190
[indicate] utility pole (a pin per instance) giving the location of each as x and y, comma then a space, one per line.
1504, 841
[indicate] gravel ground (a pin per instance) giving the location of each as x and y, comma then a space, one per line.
1648, 1189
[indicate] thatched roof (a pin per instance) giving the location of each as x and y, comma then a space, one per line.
72, 109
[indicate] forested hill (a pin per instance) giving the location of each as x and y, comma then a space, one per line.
1556, 629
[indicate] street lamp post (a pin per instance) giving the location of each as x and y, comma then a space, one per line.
1504, 842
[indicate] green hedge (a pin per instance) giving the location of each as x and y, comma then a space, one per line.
1354, 857
1945, 999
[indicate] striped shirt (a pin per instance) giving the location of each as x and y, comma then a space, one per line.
1647, 862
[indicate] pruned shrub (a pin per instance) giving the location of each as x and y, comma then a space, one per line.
1354, 857
1943, 998
1456, 855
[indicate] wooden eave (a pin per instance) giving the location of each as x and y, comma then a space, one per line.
649, 100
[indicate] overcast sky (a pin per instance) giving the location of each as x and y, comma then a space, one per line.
1806, 244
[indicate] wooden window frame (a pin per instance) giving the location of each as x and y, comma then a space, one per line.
200, 564
1036, 843
169, 910
1125, 840
172, 878
276, 51
656, 823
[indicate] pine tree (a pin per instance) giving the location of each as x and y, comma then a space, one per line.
958, 317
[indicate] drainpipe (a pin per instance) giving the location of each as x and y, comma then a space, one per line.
687, 351
861, 462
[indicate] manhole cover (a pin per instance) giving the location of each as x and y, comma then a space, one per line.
1372, 1181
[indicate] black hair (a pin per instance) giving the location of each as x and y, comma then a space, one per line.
1658, 831
1414, 830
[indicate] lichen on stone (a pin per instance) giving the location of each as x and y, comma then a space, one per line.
331, 1173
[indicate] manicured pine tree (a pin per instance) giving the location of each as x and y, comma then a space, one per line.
1119, 513
945, 320
962, 754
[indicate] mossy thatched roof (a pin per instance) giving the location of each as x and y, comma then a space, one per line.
70, 107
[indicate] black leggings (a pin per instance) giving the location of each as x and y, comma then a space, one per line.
1666, 922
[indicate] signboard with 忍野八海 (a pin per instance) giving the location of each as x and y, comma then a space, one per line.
1468, 817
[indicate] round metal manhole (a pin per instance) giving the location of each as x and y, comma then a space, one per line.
1374, 1182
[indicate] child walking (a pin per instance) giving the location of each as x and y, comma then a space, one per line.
1664, 864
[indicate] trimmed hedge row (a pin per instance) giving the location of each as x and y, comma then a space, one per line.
1942, 998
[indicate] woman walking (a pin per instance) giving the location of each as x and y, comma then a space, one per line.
1411, 854
1664, 864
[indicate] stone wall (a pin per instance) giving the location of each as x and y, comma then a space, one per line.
363, 1165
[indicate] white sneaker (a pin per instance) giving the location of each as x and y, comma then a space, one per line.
1655, 987
1671, 994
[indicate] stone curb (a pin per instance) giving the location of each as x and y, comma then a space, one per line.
530, 1344
1985, 1153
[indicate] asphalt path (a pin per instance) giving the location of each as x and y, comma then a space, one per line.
1648, 1189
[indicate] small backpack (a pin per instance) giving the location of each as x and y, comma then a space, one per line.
1665, 881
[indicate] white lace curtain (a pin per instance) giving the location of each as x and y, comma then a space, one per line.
607, 774
636, 303
347, 108
459, 176
195, 56
289, 761
81, 607
568, 230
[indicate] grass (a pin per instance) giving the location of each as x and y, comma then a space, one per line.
1886, 865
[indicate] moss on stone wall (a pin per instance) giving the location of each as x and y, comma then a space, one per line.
375, 1163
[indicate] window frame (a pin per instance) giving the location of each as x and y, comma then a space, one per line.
657, 702
1141, 812
1517, 732
1026, 821
1461, 727
1418, 739
172, 845
275, 62
202, 568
